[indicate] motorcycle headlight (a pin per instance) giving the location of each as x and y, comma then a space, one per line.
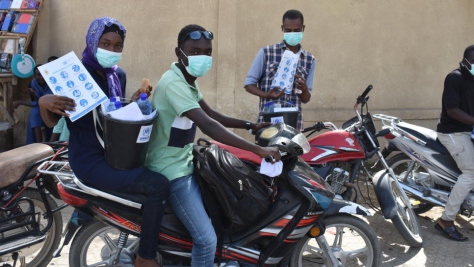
302, 141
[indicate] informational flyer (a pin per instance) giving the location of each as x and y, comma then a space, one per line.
284, 77
66, 76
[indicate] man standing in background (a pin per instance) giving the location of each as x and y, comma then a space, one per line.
265, 65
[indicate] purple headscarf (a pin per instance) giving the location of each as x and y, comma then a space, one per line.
88, 56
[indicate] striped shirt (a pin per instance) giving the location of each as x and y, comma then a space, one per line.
263, 70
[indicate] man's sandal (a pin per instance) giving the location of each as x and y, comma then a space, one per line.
452, 233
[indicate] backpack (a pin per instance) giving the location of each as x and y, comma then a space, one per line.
241, 192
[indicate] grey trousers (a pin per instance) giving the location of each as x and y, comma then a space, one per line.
461, 148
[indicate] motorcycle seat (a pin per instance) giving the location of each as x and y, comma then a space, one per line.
241, 154
427, 135
13, 163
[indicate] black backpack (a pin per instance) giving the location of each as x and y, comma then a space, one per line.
243, 194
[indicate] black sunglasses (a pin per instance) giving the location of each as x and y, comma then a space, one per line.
196, 35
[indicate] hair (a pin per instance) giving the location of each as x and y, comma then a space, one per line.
468, 50
52, 58
293, 14
113, 28
182, 36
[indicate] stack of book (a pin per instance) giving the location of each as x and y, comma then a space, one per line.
23, 23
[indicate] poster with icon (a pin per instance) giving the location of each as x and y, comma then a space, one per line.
284, 76
66, 76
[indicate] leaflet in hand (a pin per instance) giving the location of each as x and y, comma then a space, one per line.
284, 77
66, 76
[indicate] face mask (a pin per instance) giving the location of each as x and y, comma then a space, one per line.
472, 67
293, 38
198, 66
106, 58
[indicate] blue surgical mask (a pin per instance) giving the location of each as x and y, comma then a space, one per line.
107, 58
293, 38
199, 65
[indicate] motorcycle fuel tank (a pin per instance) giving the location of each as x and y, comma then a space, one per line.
333, 146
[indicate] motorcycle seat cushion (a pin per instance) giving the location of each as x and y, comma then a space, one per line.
13, 163
241, 154
425, 134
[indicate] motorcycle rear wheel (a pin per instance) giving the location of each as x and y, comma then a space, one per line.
43, 256
405, 220
95, 245
399, 163
353, 243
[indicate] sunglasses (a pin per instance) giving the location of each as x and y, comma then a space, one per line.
196, 35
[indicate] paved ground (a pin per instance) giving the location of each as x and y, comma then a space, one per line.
436, 251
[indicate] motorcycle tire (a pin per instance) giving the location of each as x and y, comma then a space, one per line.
405, 220
43, 256
345, 234
94, 243
399, 164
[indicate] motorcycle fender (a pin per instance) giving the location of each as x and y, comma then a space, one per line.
383, 191
343, 206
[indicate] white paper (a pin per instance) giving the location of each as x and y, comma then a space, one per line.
285, 75
66, 76
130, 112
271, 170
285, 109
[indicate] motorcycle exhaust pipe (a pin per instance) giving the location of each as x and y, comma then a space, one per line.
419, 195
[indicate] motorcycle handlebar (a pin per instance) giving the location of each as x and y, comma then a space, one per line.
269, 158
367, 90
382, 133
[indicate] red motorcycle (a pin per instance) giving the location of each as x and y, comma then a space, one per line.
341, 156
305, 225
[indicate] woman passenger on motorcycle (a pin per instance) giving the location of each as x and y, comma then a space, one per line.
104, 44
181, 107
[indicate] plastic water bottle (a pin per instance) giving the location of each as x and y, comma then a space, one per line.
472, 133
265, 108
144, 104
118, 104
111, 106
270, 107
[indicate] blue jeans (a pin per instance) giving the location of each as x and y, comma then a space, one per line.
186, 201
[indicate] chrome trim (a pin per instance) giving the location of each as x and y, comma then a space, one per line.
65, 172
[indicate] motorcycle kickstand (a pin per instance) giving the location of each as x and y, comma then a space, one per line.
330, 259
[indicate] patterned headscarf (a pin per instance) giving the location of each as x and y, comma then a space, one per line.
92, 42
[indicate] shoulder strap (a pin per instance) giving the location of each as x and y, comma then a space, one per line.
97, 121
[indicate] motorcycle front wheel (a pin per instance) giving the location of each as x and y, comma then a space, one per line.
405, 220
353, 242
96, 245
400, 164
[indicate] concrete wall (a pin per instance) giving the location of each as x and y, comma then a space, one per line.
403, 48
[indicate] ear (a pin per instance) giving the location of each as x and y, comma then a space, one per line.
303, 27
177, 51
281, 28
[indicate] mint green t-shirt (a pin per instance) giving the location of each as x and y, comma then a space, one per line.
172, 137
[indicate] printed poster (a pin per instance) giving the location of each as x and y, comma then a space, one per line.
284, 77
66, 76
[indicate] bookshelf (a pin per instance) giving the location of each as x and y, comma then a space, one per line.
24, 12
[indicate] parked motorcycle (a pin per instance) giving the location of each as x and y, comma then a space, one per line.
425, 169
30, 220
341, 157
305, 226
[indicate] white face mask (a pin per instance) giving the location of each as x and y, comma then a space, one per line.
107, 58
198, 66
472, 67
